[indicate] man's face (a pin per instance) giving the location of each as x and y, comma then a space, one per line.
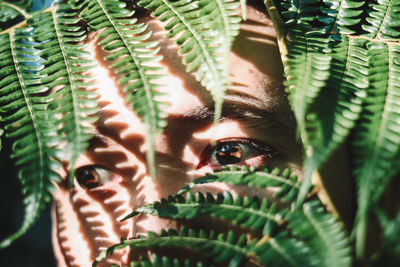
112, 178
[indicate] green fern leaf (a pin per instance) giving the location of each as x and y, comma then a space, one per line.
204, 31
389, 253
281, 250
217, 247
127, 43
301, 14
65, 67
326, 239
246, 212
287, 182
337, 107
306, 71
342, 16
28, 123
10, 10
376, 142
164, 261
383, 20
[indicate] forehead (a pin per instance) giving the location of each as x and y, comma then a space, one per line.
255, 68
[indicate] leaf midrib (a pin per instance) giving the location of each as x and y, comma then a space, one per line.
388, 9
70, 78
209, 58
146, 86
37, 193
267, 175
17, 8
186, 239
228, 207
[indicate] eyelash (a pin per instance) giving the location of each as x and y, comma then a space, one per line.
92, 176
209, 155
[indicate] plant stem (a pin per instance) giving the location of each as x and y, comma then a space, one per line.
22, 23
20, 10
279, 27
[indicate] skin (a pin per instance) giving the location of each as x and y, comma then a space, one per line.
85, 221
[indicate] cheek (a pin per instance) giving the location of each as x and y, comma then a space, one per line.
87, 221
258, 161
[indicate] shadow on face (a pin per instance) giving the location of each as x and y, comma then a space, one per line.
256, 128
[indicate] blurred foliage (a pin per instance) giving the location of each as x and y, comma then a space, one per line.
342, 69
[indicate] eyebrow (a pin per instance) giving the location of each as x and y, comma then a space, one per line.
245, 108
250, 111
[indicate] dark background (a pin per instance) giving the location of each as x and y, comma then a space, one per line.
34, 248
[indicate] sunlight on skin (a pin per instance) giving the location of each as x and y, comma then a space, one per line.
260, 113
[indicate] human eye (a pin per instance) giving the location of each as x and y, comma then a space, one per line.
236, 151
92, 176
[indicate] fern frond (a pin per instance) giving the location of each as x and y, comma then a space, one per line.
337, 107
306, 70
300, 14
164, 261
342, 16
133, 54
243, 8
389, 253
376, 142
287, 182
217, 247
9, 10
245, 212
203, 30
65, 68
326, 239
28, 123
383, 20
281, 250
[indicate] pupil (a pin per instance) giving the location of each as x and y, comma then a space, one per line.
228, 153
87, 177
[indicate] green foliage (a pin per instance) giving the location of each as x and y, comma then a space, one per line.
285, 181
204, 30
283, 251
127, 45
291, 237
246, 212
342, 16
65, 66
39, 121
326, 238
300, 13
388, 254
28, 123
10, 12
167, 262
341, 61
346, 90
376, 139
220, 246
